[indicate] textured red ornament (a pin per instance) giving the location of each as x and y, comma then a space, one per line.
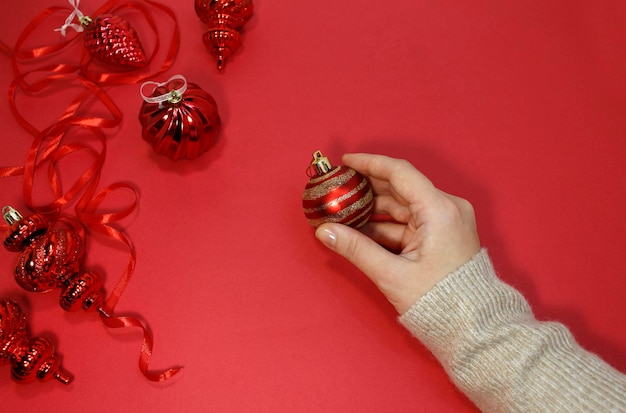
51, 259
179, 119
30, 359
108, 38
338, 194
112, 40
224, 18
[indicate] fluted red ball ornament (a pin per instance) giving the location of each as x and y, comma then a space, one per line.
51, 258
178, 119
336, 194
108, 38
224, 18
30, 359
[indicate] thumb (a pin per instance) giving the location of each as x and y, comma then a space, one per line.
359, 249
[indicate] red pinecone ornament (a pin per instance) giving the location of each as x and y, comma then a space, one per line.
112, 40
224, 18
336, 194
30, 359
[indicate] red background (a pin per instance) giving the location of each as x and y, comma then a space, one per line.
517, 106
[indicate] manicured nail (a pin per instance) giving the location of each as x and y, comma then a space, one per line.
327, 237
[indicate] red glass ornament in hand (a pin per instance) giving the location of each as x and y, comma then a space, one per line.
108, 38
336, 194
179, 119
224, 18
51, 259
30, 359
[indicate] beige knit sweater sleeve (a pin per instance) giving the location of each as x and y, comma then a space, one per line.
485, 335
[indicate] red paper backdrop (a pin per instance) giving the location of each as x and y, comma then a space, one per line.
516, 106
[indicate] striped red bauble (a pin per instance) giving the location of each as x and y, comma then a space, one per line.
336, 194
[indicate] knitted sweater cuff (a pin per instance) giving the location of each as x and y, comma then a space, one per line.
464, 300
485, 335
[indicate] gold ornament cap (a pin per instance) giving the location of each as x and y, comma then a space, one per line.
10, 215
321, 163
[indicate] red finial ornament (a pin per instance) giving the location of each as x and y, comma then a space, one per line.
178, 119
108, 38
30, 359
224, 18
336, 194
51, 258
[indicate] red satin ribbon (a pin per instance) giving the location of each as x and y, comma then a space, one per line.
48, 141
86, 211
50, 82
52, 145
146, 351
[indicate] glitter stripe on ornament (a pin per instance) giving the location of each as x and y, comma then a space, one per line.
319, 187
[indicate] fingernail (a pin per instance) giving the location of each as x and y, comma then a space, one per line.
327, 237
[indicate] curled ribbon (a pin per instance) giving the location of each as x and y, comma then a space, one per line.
101, 223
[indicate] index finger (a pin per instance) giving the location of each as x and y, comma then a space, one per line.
405, 179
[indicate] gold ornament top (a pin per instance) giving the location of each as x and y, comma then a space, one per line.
10, 215
321, 163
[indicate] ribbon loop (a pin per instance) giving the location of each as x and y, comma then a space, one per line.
76, 13
174, 95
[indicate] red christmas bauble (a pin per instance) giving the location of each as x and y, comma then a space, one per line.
112, 40
179, 119
336, 194
224, 18
30, 359
107, 37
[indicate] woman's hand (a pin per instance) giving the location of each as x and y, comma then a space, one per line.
434, 233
